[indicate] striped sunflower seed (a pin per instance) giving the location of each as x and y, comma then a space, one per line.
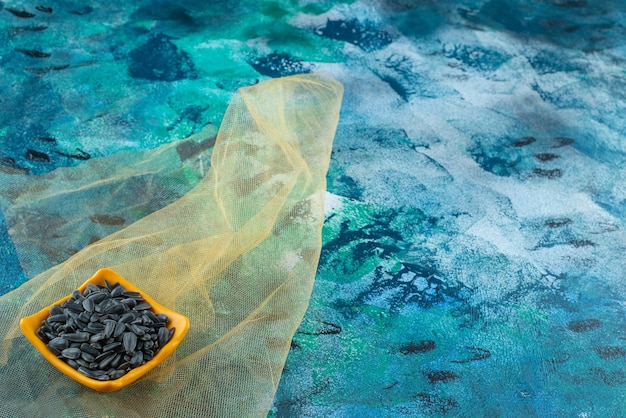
130, 342
118, 291
71, 353
59, 343
57, 318
77, 336
87, 348
120, 327
136, 359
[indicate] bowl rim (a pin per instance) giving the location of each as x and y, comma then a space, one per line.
31, 323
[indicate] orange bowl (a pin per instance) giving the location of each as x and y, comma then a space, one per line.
30, 324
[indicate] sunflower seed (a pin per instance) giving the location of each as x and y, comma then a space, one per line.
110, 347
143, 306
115, 308
77, 323
138, 329
54, 351
107, 361
151, 318
118, 291
57, 318
130, 342
97, 297
136, 359
109, 327
87, 357
91, 373
74, 307
71, 353
91, 288
42, 335
162, 336
73, 364
116, 360
130, 302
117, 374
88, 304
97, 337
59, 343
162, 318
96, 326
120, 327
85, 317
127, 317
87, 348
56, 310
77, 336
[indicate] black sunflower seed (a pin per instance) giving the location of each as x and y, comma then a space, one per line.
42, 335
138, 329
117, 359
110, 347
77, 336
71, 353
98, 297
88, 304
87, 357
57, 318
109, 327
115, 308
88, 348
91, 373
56, 310
84, 317
59, 343
120, 327
107, 361
90, 288
117, 374
130, 342
136, 359
163, 334
74, 307
130, 302
118, 291
127, 317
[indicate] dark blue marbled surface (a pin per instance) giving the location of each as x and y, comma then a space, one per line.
473, 247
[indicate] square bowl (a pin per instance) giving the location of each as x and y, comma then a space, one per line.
30, 324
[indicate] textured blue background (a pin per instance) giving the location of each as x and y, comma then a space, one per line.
473, 248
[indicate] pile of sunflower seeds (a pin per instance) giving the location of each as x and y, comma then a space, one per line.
105, 331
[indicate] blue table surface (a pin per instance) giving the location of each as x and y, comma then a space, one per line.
472, 262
